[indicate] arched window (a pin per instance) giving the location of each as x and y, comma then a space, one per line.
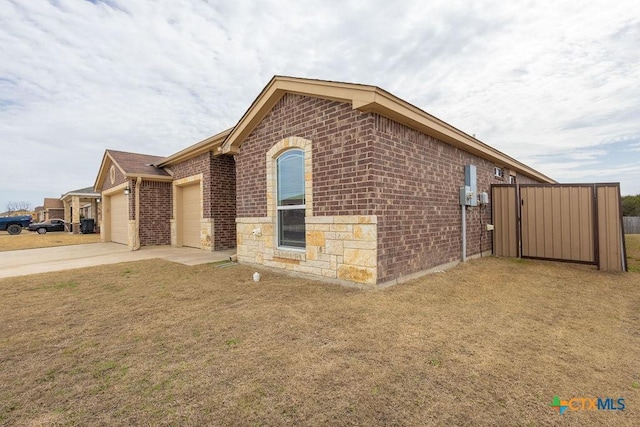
291, 199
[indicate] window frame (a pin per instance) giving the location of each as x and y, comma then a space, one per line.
302, 207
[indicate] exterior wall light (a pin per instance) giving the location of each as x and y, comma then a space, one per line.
127, 190
98, 200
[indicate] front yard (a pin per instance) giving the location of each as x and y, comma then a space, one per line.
487, 343
32, 240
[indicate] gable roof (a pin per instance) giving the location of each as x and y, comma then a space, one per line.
367, 99
132, 165
51, 203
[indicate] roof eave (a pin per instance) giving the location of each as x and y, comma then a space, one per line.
148, 177
367, 99
401, 111
209, 144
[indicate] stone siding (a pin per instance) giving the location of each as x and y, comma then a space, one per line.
338, 247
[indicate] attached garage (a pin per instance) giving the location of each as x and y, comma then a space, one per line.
119, 218
136, 200
191, 211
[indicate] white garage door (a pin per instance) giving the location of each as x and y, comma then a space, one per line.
119, 218
191, 215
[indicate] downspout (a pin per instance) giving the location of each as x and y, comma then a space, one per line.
136, 243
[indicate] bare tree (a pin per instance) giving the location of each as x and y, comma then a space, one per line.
18, 206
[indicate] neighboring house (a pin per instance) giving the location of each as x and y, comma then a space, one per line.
39, 213
136, 199
339, 181
72, 202
53, 208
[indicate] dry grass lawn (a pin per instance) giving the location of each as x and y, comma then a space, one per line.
32, 240
633, 252
153, 342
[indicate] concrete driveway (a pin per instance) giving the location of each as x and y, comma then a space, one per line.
44, 260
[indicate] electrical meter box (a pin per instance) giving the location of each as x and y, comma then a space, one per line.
466, 196
471, 186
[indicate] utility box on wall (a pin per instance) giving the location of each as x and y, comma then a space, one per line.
470, 187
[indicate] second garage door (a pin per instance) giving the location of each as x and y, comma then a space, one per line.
191, 215
119, 218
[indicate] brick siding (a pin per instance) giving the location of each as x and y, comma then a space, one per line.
365, 164
342, 156
155, 212
223, 206
417, 178
219, 197
119, 179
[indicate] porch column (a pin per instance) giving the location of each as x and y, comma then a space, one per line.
75, 214
95, 213
67, 211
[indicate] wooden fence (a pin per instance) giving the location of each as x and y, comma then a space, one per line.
631, 224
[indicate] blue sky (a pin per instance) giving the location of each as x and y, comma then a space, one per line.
553, 84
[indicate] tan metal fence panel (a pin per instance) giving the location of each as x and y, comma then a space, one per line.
557, 222
610, 237
505, 217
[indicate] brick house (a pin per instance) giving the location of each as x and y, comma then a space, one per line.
52, 209
186, 199
341, 181
379, 179
135, 199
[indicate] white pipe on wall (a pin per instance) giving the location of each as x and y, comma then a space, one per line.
464, 233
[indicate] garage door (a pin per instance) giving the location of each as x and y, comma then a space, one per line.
119, 218
191, 215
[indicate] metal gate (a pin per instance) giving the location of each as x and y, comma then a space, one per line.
564, 222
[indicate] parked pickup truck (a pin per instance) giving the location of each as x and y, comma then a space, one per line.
14, 224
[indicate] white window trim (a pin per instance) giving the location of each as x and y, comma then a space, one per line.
289, 207
272, 178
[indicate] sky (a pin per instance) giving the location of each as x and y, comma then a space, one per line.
555, 84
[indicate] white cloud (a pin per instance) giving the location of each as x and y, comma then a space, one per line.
540, 83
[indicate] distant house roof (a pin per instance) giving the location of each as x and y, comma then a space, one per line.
86, 192
132, 165
51, 203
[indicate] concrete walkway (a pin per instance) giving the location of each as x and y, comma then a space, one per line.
44, 260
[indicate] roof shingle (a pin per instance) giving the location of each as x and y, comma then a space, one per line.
137, 164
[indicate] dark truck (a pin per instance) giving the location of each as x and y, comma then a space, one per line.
15, 224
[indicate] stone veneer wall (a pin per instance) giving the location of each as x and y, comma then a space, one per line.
340, 247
